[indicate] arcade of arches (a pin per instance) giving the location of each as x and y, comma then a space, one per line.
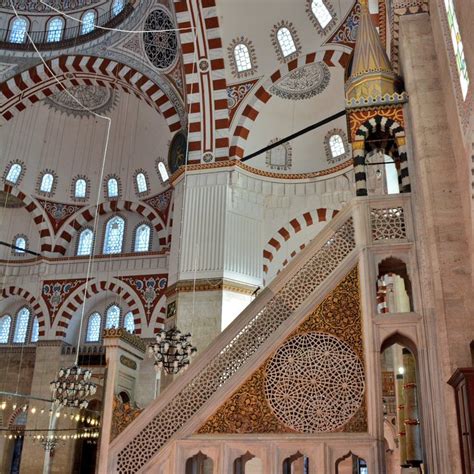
291, 183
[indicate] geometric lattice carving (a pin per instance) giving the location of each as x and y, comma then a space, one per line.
233, 356
315, 383
388, 223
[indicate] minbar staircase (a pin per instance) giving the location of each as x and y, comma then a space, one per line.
329, 256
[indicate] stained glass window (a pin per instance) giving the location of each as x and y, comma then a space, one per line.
114, 235
86, 239
55, 29
20, 244
112, 188
18, 31
14, 173
286, 42
21, 326
88, 22
93, 328
117, 6
321, 12
47, 183
458, 47
242, 58
5, 324
337, 146
163, 171
35, 330
142, 238
128, 322
112, 317
141, 183
80, 188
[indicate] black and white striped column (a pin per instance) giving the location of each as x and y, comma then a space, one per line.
400, 140
358, 156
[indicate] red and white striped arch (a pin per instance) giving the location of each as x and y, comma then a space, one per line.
35, 305
74, 302
281, 238
40, 81
206, 87
262, 95
39, 217
87, 215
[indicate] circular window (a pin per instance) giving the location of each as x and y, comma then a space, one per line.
161, 42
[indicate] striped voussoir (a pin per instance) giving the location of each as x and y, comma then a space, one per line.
206, 85
398, 132
39, 217
76, 300
87, 215
32, 302
284, 234
43, 80
262, 94
158, 322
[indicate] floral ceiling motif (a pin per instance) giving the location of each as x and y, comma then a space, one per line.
55, 292
161, 203
303, 83
58, 212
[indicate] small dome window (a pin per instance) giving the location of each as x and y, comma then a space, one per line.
55, 30
88, 22
285, 40
14, 173
47, 181
18, 30
321, 13
242, 57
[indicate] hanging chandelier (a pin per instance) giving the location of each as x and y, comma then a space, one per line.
72, 387
172, 350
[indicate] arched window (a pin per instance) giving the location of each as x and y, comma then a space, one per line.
391, 175
142, 238
21, 325
242, 57
14, 173
142, 186
35, 330
93, 328
112, 317
336, 145
163, 172
86, 239
80, 188
321, 12
20, 244
112, 188
88, 22
5, 325
47, 183
55, 30
18, 30
285, 40
114, 235
129, 322
117, 6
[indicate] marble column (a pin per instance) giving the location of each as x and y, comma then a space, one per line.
401, 420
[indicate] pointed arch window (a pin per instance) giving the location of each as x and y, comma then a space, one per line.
55, 30
20, 243
14, 173
114, 231
93, 328
321, 13
129, 322
112, 317
47, 182
142, 238
117, 6
21, 325
112, 188
35, 330
242, 57
80, 188
18, 30
286, 42
5, 325
163, 172
88, 22
86, 240
336, 144
142, 185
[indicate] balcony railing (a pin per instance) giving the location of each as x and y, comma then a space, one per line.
70, 36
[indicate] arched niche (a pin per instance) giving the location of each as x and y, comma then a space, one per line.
350, 463
199, 464
247, 464
296, 464
394, 288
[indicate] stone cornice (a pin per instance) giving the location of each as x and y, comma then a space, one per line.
209, 284
125, 336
